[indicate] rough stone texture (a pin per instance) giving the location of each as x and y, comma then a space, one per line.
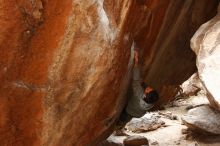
203, 118
192, 86
205, 44
135, 141
146, 123
64, 65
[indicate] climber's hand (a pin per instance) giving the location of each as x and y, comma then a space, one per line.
135, 57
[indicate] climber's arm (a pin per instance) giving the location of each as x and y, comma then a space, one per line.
136, 86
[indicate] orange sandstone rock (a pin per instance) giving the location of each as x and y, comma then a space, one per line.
65, 65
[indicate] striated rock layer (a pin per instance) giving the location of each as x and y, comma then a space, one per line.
167, 58
205, 44
65, 65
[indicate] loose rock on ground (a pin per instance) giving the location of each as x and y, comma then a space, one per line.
148, 122
203, 118
136, 141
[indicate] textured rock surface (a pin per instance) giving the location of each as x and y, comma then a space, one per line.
203, 118
206, 45
64, 65
167, 57
192, 86
135, 141
146, 123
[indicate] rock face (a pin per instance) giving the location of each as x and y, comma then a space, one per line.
65, 65
192, 86
204, 119
58, 60
205, 44
166, 55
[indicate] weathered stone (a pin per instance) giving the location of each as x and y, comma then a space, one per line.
167, 58
65, 65
146, 123
203, 119
192, 86
57, 62
205, 44
135, 141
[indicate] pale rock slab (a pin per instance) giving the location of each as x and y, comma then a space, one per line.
203, 119
206, 44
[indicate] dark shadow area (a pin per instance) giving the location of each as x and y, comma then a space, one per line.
206, 138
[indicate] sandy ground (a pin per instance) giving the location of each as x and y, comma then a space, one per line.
171, 134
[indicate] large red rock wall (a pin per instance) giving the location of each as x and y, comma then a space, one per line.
61, 71
65, 65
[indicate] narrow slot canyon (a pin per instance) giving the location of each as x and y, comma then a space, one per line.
66, 68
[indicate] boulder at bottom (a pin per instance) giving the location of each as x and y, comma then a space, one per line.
203, 118
109, 143
136, 141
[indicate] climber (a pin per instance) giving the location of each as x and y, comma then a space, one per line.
142, 99
143, 96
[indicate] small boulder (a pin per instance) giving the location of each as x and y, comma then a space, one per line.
136, 141
203, 119
109, 143
146, 123
192, 86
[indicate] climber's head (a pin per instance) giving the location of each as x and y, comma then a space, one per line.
151, 95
